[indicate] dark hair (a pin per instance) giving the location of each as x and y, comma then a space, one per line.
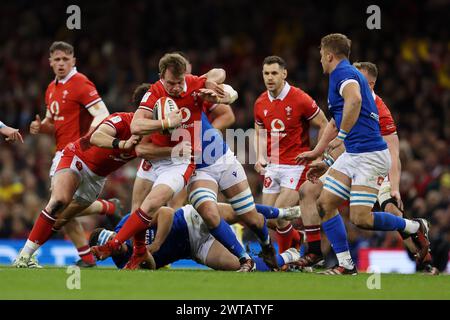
173, 61
139, 93
337, 43
63, 46
275, 59
93, 238
370, 67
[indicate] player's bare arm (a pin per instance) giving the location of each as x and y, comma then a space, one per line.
10, 133
319, 121
99, 111
104, 137
211, 95
150, 151
260, 147
352, 108
143, 122
214, 78
329, 133
164, 221
223, 116
394, 173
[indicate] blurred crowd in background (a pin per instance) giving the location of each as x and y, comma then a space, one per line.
120, 43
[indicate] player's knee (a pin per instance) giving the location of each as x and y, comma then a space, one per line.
309, 192
56, 205
157, 201
324, 207
360, 219
252, 220
390, 206
209, 213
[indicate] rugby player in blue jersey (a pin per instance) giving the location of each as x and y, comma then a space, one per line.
182, 234
358, 172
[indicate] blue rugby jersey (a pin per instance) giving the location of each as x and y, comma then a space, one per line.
175, 247
213, 145
365, 135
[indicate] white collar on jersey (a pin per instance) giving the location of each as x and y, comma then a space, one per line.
282, 94
374, 95
66, 78
184, 86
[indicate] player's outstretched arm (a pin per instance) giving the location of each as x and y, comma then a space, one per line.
217, 75
164, 219
143, 122
329, 133
150, 151
99, 111
260, 149
105, 137
352, 106
320, 121
223, 116
10, 133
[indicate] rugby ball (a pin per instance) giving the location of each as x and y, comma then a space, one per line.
163, 107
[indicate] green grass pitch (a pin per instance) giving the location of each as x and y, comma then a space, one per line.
105, 283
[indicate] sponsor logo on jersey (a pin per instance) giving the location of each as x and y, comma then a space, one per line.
277, 125
116, 119
54, 110
185, 114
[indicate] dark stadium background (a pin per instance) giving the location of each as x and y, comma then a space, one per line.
119, 45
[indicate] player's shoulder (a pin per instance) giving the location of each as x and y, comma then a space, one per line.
379, 100
345, 70
296, 92
194, 78
119, 116
381, 105
80, 81
51, 85
80, 77
298, 95
263, 98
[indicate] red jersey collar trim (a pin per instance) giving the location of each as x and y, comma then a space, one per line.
282, 94
67, 78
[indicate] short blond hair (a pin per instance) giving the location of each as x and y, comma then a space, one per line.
337, 43
370, 67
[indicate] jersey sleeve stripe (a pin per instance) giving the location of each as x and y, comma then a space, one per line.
346, 82
259, 123
109, 124
145, 108
90, 104
314, 114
